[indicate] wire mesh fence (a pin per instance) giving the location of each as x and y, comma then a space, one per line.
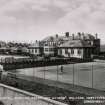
90, 75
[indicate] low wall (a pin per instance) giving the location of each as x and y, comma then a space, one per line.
13, 96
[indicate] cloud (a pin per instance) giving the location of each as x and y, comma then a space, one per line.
32, 17
61, 3
15, 5
87, 17
39, 8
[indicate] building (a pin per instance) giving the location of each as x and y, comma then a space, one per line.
81, 46
51, 43
90, 39
24, 50
36, 48
75, 48
49, 46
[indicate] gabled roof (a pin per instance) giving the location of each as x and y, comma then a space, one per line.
75, 43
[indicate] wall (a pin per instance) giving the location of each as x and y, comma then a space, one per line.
48, 52
76, 55
33, 51
13, 96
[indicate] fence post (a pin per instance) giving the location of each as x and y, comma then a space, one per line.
57, 73
92, 77
33, 72
44, 70
73, 74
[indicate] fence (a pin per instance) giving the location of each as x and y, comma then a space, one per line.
90, 74
84, 74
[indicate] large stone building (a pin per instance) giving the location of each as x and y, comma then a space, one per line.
81, 46
51, 43
76, 49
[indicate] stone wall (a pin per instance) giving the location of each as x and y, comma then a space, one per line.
13, 96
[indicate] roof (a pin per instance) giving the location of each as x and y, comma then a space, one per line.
75, 43
85, 36
36, 44
102, 48
82, 36
56, 39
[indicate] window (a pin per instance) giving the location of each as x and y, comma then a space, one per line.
60, 51
72, 51
32, 50
46, 49
51, 49
29, 50
66, 51
46, 44
35, 50
79, 51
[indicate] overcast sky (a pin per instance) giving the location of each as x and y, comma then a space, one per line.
35, 19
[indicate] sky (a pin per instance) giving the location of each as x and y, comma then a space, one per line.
30, 20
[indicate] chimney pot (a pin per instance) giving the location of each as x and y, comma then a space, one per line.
79, 34
67, 34
96, 35
73, 36
56, 35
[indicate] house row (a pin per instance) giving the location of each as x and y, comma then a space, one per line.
81, 45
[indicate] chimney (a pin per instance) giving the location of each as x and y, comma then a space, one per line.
96, 35
83, 35
79, 34
73, 36
67, 34
56, 35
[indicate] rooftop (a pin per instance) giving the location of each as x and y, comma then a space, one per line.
36, 44
75, 43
